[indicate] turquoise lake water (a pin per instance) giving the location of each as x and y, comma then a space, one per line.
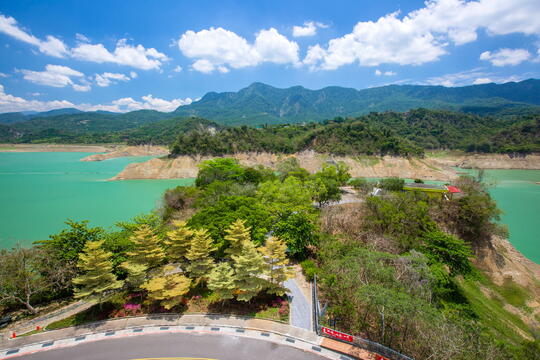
39, 191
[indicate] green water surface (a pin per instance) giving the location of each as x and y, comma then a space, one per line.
39, 191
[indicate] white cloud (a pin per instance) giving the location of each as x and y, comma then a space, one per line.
474, 76
4, 75
124, 54
51, 46
107, 78
424, 35
386, 73
308, 29
56, 76
480, 81
217, 49
177, 69
10, 103
133, 74
82, 38
503, 57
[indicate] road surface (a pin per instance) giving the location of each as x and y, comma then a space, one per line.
200, 346
300, 306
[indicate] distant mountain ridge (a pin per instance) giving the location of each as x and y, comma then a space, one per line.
260, 103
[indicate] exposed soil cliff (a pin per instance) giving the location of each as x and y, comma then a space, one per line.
146, 150
491, 161
364, 166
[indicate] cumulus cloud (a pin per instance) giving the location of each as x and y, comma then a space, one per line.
385, 73
424, 35
503, 57
107, 78
474, 76
10, 103
50, 46
177, 69
308, 29
217, 49
124, 54
57, 76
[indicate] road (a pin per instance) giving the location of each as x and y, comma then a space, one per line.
200, 346
300, 306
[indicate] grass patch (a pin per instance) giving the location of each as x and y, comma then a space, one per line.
502, 323
513, 293
31, 332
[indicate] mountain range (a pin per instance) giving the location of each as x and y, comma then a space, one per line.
261, 104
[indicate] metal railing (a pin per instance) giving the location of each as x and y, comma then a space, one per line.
365, 344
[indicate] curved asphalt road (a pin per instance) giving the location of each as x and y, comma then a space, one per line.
199, 346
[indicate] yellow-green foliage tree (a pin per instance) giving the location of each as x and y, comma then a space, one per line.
97, 276
237, 234
221, 281
178, 241
249, 269
147, 249
200, 260
136, 273
276, 267
167, 288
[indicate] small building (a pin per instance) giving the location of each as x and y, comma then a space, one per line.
444, 191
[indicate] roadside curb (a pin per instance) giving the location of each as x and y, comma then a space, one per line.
227, 325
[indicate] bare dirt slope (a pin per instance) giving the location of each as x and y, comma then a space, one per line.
143, 150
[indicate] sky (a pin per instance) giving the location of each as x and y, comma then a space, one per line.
130, 55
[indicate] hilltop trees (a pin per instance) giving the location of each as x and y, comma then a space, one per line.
221, 281
178, 241
198, 255
168, 287
276, 266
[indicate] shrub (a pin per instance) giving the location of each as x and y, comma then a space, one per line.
309, 269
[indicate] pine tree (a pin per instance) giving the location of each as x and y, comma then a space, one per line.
200, 261
168, 288
221, 281
275, 268
237, 234
97, 267
147, 250
136, 273
178, 241
249, 268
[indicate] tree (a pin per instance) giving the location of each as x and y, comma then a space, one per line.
168, 288
63, 249
276, 266
200, 260
178, 241
221, 281
221, 169
237, 234
97, 276
449, 250
136, 273
298, 230
20, 276
392, 184
146, 250
249, 268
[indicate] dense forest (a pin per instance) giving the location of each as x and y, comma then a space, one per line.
403, 134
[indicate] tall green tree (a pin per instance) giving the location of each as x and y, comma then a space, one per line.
249, 269
147, 249
178, 241
96, 267
221, 281
276, 266
199, 255
237, 234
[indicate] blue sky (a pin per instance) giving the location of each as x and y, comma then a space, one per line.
128, 55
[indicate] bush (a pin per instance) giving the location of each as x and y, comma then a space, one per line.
309, 269
392, 184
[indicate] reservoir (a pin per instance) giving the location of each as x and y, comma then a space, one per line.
40, 190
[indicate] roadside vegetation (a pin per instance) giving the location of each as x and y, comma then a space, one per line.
397, 269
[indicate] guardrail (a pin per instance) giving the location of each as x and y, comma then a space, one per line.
365, 344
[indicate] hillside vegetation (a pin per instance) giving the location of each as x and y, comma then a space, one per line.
389, 133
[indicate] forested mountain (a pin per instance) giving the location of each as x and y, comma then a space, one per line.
402, 134
13, 117
263, 104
